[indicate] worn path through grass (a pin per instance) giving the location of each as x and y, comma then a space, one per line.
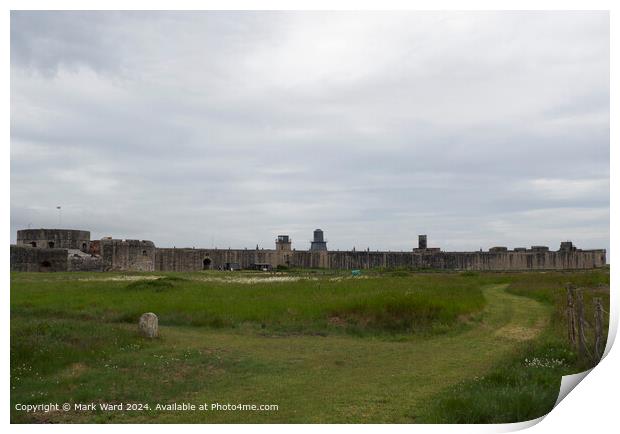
339, 379
334, 379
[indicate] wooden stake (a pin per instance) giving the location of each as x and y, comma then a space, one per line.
598, 330
570, 315
581, 324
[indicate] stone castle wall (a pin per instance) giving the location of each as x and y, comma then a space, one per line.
80, 261
73, 251
170, 259
194, 259
127, 255
489, 261
27, 258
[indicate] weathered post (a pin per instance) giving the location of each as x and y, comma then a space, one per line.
581, 323
570, 315
598, 329
148, 325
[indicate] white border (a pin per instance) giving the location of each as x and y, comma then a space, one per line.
591, 407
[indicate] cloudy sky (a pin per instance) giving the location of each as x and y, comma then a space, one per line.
229, 128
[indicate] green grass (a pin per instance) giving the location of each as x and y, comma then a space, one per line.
521, 387
325, 348
525, 384
309, 305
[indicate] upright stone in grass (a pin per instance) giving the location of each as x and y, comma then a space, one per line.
148, 325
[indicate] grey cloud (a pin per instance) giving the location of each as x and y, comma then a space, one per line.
227, 128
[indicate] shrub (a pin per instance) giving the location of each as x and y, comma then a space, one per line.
157, 285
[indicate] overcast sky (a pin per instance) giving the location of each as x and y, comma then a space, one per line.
228, 128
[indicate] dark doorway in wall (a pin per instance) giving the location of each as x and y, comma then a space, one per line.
83, 246
45, 266
33, 244
206, 264
51, 244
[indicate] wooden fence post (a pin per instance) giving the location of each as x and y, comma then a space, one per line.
570, 314
598, 329
581, 323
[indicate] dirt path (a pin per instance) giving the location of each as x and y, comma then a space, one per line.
348, 379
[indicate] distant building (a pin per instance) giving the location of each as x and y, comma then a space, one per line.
73, 250
283, 243
318, 244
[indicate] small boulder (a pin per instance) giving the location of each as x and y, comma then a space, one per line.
148, 325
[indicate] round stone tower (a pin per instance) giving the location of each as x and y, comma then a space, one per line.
54, 239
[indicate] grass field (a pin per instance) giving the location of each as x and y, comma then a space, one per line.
390, 346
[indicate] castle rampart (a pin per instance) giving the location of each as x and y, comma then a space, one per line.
127, 255
27, 258
201, 259
110, 254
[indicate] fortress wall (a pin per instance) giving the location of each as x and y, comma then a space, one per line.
177, 260
193, 259
172, 259
127, 255
309, 259
366, 259
499, 261
63, 249
84, 262
26, 258
94, 248
491, 261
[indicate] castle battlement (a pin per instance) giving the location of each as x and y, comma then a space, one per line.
72, 250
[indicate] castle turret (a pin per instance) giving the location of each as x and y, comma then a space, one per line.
283, 243
54, 239
567, 246
318, 244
